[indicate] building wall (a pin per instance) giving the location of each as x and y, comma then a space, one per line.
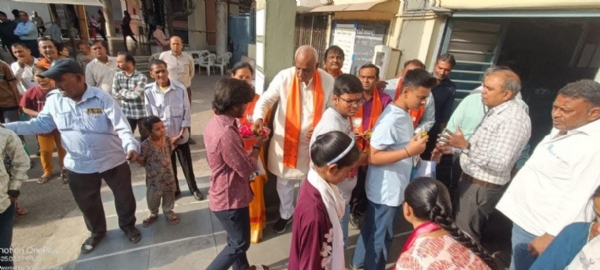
419, 37
42, 9
520, 4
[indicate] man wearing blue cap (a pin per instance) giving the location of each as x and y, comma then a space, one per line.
98, 141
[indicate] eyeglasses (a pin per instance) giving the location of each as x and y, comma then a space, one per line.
357, 102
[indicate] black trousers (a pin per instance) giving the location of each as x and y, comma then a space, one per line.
135, 123
183, 153
86, 191
7, 219
358, 201
433, 135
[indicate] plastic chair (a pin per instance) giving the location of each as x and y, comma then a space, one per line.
196, 56
223, 63
208, 62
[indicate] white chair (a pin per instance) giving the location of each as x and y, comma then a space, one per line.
223, 63
204, 53
208, 62
196, 56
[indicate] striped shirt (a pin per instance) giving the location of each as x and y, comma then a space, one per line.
101, 75
11, 177
130, 90
497, 143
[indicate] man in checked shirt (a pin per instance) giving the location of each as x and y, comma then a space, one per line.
489, 155
128, 87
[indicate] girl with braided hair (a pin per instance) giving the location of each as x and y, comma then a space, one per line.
436, 242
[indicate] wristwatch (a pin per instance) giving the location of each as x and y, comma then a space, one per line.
13, 193
467, 149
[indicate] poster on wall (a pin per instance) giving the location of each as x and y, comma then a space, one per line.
368, 35
344, 36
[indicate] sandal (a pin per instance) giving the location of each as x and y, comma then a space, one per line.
44, 179
134, 235
148, 221
90, 243
173, 219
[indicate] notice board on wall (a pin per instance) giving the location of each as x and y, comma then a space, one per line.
367, 35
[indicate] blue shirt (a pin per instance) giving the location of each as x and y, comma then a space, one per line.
26, 30
172, 106
443, 96
94, 131
386, 183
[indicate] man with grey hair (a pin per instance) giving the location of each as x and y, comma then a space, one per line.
303, 92
554, 187
489, 155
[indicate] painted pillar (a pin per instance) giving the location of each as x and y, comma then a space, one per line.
275, 29
108, 15
197, 27
221, 28
83, 23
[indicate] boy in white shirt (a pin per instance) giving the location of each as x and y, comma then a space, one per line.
347, 98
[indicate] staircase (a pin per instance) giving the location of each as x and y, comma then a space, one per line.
475, 45
142, 64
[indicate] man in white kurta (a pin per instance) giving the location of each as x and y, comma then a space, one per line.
279, 90
555, 186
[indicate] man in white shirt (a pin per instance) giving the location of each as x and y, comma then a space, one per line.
554, 187
489, 155
181, 68
304, 92
424, 118
101, 71
23, 67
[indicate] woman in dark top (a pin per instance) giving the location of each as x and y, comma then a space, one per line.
317, 238
125, 28
101, 29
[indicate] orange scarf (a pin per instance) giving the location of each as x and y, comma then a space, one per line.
249, 110
376, 110
293, 112
337, 73
416, 115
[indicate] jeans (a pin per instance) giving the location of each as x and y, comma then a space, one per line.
521, 258
7, 219
376, 235
344, 223
236, 223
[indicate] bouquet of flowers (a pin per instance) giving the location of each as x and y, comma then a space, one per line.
247, 132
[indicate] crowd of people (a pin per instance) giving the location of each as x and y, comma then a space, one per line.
352, 144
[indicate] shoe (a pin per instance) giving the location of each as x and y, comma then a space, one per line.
191, 141
198, 195
354, 267
281, 225
355, 221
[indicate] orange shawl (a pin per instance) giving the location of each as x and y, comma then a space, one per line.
416, 115
293, 118
376, 110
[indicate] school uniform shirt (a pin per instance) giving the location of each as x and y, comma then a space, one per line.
428, 118
312, 231
386, 183
24, 75
331, 120
97, 135
34, 99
